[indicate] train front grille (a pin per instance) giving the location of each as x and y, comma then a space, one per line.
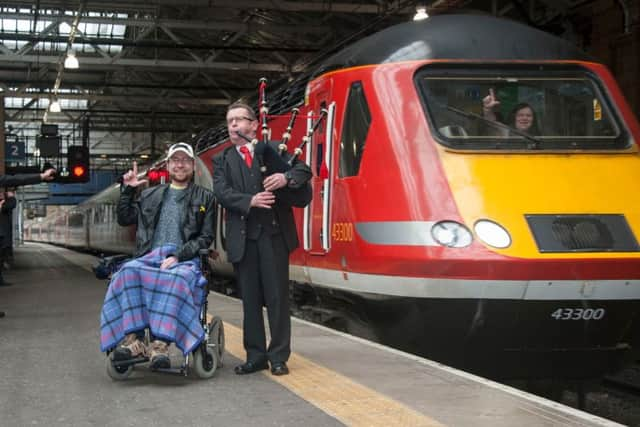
582, 233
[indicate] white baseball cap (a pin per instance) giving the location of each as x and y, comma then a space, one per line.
181, 146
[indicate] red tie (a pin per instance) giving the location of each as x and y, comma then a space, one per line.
247, 155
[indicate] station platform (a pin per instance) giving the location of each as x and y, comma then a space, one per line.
54, 373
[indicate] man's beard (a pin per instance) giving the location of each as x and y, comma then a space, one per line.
179, 181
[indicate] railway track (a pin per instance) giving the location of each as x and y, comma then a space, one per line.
627, 381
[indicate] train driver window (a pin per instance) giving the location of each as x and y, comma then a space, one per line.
357, 120
525, 107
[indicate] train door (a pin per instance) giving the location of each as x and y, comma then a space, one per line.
318, 216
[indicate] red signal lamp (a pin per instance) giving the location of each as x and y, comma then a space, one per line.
157, 176
78, 164
79, 171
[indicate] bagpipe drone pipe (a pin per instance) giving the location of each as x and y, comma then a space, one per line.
270, 159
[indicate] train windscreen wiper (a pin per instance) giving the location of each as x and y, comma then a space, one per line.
533, 142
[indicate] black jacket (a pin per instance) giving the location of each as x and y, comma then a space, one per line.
20, 179
197, 222
232, 193
6, 232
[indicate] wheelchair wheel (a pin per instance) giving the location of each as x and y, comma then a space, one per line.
216, 338
205, 365
118, 373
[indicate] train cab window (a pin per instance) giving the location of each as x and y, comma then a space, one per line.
357, 120
527, 107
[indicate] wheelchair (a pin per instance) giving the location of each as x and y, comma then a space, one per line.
204, 360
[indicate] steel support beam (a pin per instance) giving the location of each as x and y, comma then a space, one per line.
120, 98
195, 25
146, 43
152, 64
16, 79
174, 115
286, 6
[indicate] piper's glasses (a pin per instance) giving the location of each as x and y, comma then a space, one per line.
230, 120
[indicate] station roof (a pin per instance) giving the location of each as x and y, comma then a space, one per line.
152, 72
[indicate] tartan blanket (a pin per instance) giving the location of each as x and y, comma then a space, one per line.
168, 302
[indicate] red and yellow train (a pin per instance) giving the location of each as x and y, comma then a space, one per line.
450, 235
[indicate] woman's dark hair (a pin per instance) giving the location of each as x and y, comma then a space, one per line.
511, 119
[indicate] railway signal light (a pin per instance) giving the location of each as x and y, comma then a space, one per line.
79, 171
158, 176
78, 163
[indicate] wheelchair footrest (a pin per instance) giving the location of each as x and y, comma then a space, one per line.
126, 363
174, 371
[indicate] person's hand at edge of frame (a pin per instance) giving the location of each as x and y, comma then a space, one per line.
48, 175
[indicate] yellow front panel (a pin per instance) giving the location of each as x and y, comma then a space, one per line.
506, 187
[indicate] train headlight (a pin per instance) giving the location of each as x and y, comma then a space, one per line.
451, 234
492, 234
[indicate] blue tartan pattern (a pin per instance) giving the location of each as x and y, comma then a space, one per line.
168, 301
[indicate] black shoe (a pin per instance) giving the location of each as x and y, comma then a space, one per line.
279, 368
121, 354
160, 355
125, 350
3, 283
250, 368
1, 314
160, 361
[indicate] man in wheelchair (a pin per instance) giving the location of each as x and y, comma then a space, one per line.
162, 288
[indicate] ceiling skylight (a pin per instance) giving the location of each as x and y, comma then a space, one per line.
23, 25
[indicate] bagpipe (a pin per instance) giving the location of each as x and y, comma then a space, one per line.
270, 159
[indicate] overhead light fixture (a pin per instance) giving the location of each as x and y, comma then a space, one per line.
144, 156
54, 107
71, 62
421, 13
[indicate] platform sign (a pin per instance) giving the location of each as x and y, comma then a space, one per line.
14, 151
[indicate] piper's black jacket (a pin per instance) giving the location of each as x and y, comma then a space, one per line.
234, 195
197, 221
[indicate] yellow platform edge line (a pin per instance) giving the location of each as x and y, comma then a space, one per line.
340, 397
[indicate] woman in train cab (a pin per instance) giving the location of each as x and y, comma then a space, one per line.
522, 117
